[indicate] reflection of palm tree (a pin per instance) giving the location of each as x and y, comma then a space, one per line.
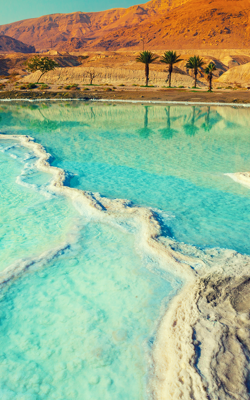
167, 132
191, 129
207, 126
49, 125
145, 131
92, 113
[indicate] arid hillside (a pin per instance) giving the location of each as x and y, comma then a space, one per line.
158, 24
16, 62
8, 44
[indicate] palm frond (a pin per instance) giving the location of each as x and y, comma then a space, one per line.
170, 57
146, 57
194, 62
210, 68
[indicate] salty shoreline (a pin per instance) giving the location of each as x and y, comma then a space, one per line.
142, 94
201, 312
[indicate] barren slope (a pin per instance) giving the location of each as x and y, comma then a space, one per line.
161, 23
8, 44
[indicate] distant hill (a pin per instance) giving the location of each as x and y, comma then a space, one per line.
161, 24
10, 45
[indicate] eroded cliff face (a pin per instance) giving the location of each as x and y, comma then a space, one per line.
179, 24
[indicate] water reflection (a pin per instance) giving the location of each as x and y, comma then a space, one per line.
145, 131
168, 132
190, 129
207, 125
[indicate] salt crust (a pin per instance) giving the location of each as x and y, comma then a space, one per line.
187, 103
202, 345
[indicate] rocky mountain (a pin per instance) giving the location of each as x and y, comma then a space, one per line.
11, 45
158, 24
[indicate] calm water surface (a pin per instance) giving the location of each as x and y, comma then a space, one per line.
83, 322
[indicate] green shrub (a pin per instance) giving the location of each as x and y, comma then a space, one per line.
22, 87
108, 89
31, 86
181, 87
72, 87
121, 84
43, 86
86, 88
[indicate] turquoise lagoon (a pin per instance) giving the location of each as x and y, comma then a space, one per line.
79, 324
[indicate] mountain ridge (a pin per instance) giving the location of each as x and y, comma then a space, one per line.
159, 24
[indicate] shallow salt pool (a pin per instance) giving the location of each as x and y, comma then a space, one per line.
80, 326
32, 220
81, 322
83, 319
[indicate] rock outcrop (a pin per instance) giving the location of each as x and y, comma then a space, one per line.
115, 76
237, 75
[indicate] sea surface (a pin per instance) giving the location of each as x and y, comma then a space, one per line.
79, 322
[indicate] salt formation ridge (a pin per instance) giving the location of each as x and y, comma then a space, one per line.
202, 346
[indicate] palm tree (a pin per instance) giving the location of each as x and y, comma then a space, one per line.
195, 63
146, 57
209, 71
170, 58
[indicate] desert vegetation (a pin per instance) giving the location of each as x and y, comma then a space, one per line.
119, 69
170, 58
42, 64
209, 72
195, 63
146, 57
92, 74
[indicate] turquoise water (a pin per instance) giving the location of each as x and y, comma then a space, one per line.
82, 321
170, 158
79, 324
25, 229
79, 327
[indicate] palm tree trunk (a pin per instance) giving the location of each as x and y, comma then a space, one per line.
210, 83
146, 73
195, 77
170, 69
